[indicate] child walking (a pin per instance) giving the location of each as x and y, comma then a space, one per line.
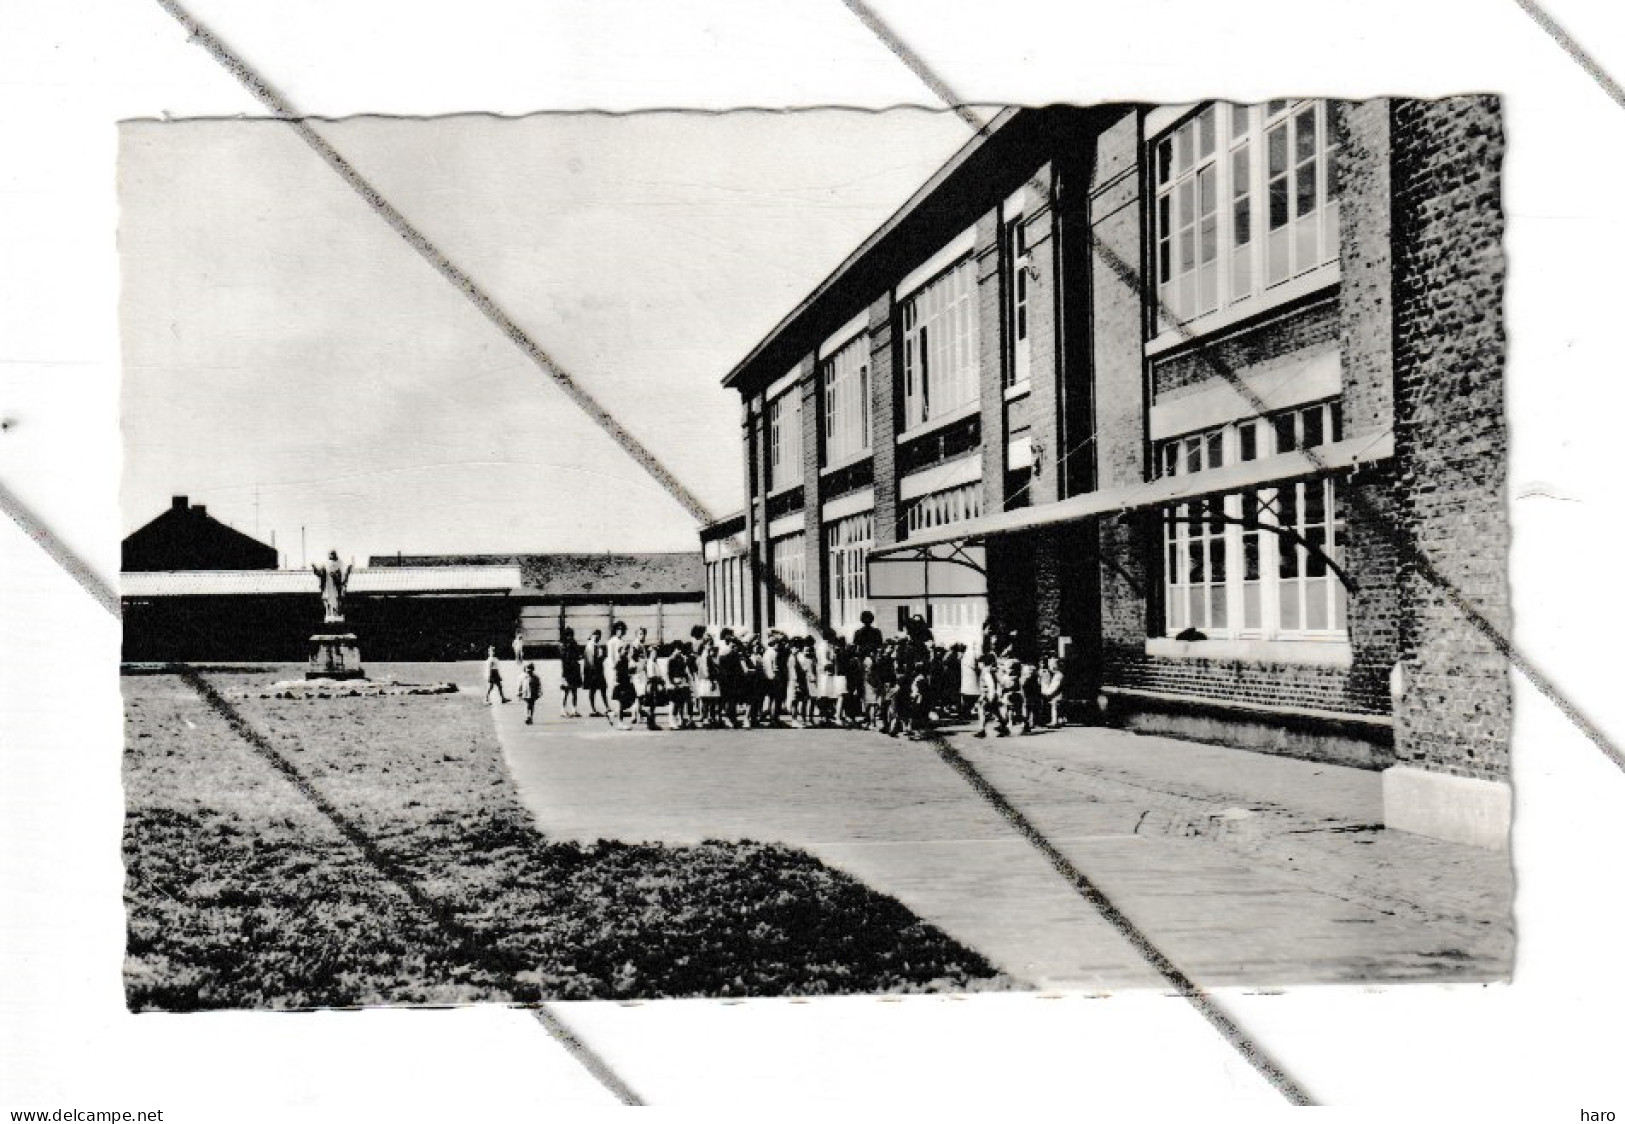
679, 686
1032, 698
593, 678
624, 695
530, 689
493, 676
570, 666
1054, 690
991, 702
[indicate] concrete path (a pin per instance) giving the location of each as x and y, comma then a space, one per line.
1245, 869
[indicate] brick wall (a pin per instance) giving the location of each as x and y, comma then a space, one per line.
1365, 312
812, 444
1245, 681
1299, 332
1064, 596
1317, 324
991, 297
1114, 241
646, 574
754, 506
1009, 577
883, 418
1044, 403
1365, 189
1371, 554
1450, 435
1057, 578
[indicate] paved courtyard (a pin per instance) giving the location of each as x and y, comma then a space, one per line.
1244, 869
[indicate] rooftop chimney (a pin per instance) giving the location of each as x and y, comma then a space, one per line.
177, 503
200, 510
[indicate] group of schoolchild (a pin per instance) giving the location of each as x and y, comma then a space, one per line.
902, 685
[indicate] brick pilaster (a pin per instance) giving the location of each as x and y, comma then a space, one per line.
1117, 326
755, 506
1450, 435
990, 279
812, 453
1044, 404
1366, 342
885, 407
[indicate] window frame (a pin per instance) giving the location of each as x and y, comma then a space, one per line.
785, 456
1017, 257
846, 389
1241, 275
847, 556
787, 561
1244, 549
920, 405
943, 507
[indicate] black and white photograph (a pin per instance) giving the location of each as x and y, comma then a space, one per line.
906, 541
1051, 555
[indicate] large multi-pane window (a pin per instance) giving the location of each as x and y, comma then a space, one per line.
941, 356
784, 439
849, 542
789, 557
1246, 198
1226, 572
938, 509
846, 402
1311, 598
727, 587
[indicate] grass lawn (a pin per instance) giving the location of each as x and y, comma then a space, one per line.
423, 881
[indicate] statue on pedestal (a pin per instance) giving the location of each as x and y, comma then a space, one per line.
334, 653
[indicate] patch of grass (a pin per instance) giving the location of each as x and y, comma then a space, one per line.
241, 892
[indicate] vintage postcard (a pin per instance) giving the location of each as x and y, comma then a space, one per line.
590, 556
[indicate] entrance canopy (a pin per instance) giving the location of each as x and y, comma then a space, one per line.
1296, 465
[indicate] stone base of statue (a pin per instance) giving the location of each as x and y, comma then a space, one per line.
334, 655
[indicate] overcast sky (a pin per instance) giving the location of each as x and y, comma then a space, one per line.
281, 341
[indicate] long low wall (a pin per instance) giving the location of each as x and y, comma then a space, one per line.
269, 627
1361, 741
392, 579
389, 627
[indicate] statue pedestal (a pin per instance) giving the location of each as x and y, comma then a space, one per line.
334, 655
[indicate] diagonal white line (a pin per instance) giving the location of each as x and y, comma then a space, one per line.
589, 1058
105, 595
475, 293
1576, 52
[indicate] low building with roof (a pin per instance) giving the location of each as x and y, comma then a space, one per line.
663, 592
410, 608
399, 614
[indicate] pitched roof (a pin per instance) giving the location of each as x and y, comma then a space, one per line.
823, 309
187, 535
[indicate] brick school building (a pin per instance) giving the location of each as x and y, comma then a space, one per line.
1205, 400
